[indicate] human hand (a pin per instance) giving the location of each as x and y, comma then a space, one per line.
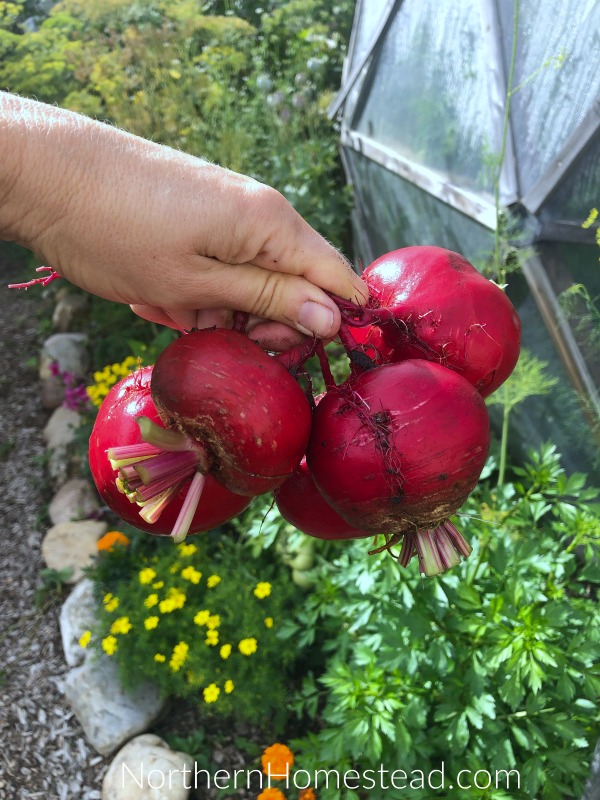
182, 241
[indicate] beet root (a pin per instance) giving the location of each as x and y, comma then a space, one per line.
250, 415
300, 503
399, 448
444, 310
116, 427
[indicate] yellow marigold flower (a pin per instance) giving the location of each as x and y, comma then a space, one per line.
158, 585
109, 645
248, 646
147, 575
187, 549
277, 759
307, 794
110, 539
121, 625
151, 622
228, 687
212, 581
84, 639
112, 605
175, 568
191, 574
160, 658
175, 599
271, 793
212, 638
211, 693
262, 590
225, 651
202, 617
151, 600
213, 621
180, 652
268, 622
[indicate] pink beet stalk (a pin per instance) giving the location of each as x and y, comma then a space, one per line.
152, 511
439, 549
166, 464
188, 509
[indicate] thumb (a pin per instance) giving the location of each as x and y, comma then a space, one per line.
277, 296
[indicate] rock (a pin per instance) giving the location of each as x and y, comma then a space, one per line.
75, 500
108, 715
70, 350
592, 787
53, 392
60, 428
59, 435
72, 544
77, 615
147, 760
70, 311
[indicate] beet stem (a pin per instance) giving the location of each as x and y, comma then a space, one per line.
152, 510
173, 441
325, 368
407, 550
147, 492
166, 464
188, 509
296, 357
440, 549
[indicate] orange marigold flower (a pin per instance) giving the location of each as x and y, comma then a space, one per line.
110, 539
271, 794
307, 794
276, 760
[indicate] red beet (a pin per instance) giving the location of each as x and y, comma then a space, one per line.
445, 311
399, 448
300, 503
250, 415
116, 426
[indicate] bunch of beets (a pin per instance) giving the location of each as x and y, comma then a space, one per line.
183, 446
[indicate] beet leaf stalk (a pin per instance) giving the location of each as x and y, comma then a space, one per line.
152, 472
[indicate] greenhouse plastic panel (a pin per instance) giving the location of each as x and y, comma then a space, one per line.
398, 214
558, 53
427, 95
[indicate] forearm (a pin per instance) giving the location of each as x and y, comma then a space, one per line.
36, 167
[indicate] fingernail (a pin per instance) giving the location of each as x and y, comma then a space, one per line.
316, 319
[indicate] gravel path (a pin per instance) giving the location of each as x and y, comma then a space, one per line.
44, 753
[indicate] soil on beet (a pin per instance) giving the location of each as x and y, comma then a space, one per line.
44, 751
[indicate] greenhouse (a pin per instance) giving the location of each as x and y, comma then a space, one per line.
459, 118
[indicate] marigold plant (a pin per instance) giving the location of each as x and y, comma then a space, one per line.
110, 539
197, 619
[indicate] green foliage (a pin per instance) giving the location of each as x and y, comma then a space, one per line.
529, 378
53, 585
198, 619
493, 666
249, 91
